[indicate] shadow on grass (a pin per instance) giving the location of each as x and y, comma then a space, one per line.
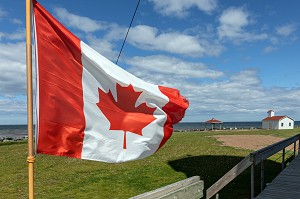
212, 168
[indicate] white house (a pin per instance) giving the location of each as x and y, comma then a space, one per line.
277, 122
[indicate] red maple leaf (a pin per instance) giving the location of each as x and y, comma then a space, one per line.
122, 113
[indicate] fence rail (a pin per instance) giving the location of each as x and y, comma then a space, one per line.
253, 159
264, 153
191, 188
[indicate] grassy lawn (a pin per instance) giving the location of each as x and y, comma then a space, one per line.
184, 155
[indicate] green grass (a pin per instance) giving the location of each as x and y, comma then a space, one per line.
184, 155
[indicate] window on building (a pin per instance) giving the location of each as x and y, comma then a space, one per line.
282, 124
290, 124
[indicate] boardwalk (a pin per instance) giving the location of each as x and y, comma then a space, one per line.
286, 185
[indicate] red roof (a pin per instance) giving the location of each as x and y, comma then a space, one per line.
274, 118
213, 120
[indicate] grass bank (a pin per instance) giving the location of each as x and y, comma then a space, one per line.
184, 155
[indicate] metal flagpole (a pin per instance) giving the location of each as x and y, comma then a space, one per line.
30, 158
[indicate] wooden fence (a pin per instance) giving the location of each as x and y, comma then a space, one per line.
191, 188
253, 159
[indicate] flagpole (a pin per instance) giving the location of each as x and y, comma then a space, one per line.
30, 158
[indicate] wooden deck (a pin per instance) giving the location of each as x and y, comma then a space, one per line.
286, 185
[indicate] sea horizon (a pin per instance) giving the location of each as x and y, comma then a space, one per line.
20, 130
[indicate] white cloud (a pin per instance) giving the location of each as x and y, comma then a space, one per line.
18, 35
149, 38
104, 47
211, 48
2, 13
274, 40
141, 36
239, 98
286, 30
247, 77
12, 67
283, 37
233, 23
236, 18
172, 66
115, 32
180, 8
84, 24
12, 105
2, 34
16, 21
269, 49
13, 110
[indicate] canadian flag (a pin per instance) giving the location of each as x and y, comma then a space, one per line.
90, 108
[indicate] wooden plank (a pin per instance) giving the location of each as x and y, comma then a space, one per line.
279, 195
188, 188
228, 177
285, 185
193, 191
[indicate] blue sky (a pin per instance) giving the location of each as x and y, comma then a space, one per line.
234, 60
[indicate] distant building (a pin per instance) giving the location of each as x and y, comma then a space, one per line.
277, 122
213, 122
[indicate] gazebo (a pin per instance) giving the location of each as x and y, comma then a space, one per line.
213, 122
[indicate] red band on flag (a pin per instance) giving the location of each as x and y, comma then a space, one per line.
60, 114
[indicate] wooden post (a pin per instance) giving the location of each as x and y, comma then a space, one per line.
298, 146
282, 163
30, 157
295, 149
262, 176
217, 196
252, 180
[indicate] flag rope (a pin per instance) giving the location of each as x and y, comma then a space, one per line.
30, 158
128, 30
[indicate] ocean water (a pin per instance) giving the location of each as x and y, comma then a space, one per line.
20, 131
13, 131
225, 125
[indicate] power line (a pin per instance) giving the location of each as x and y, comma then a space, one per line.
128, 31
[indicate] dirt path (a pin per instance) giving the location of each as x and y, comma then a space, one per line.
247, 141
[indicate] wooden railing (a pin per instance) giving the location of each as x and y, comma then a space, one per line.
191, 188
253, 159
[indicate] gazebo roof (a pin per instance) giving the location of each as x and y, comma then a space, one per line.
214, 121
